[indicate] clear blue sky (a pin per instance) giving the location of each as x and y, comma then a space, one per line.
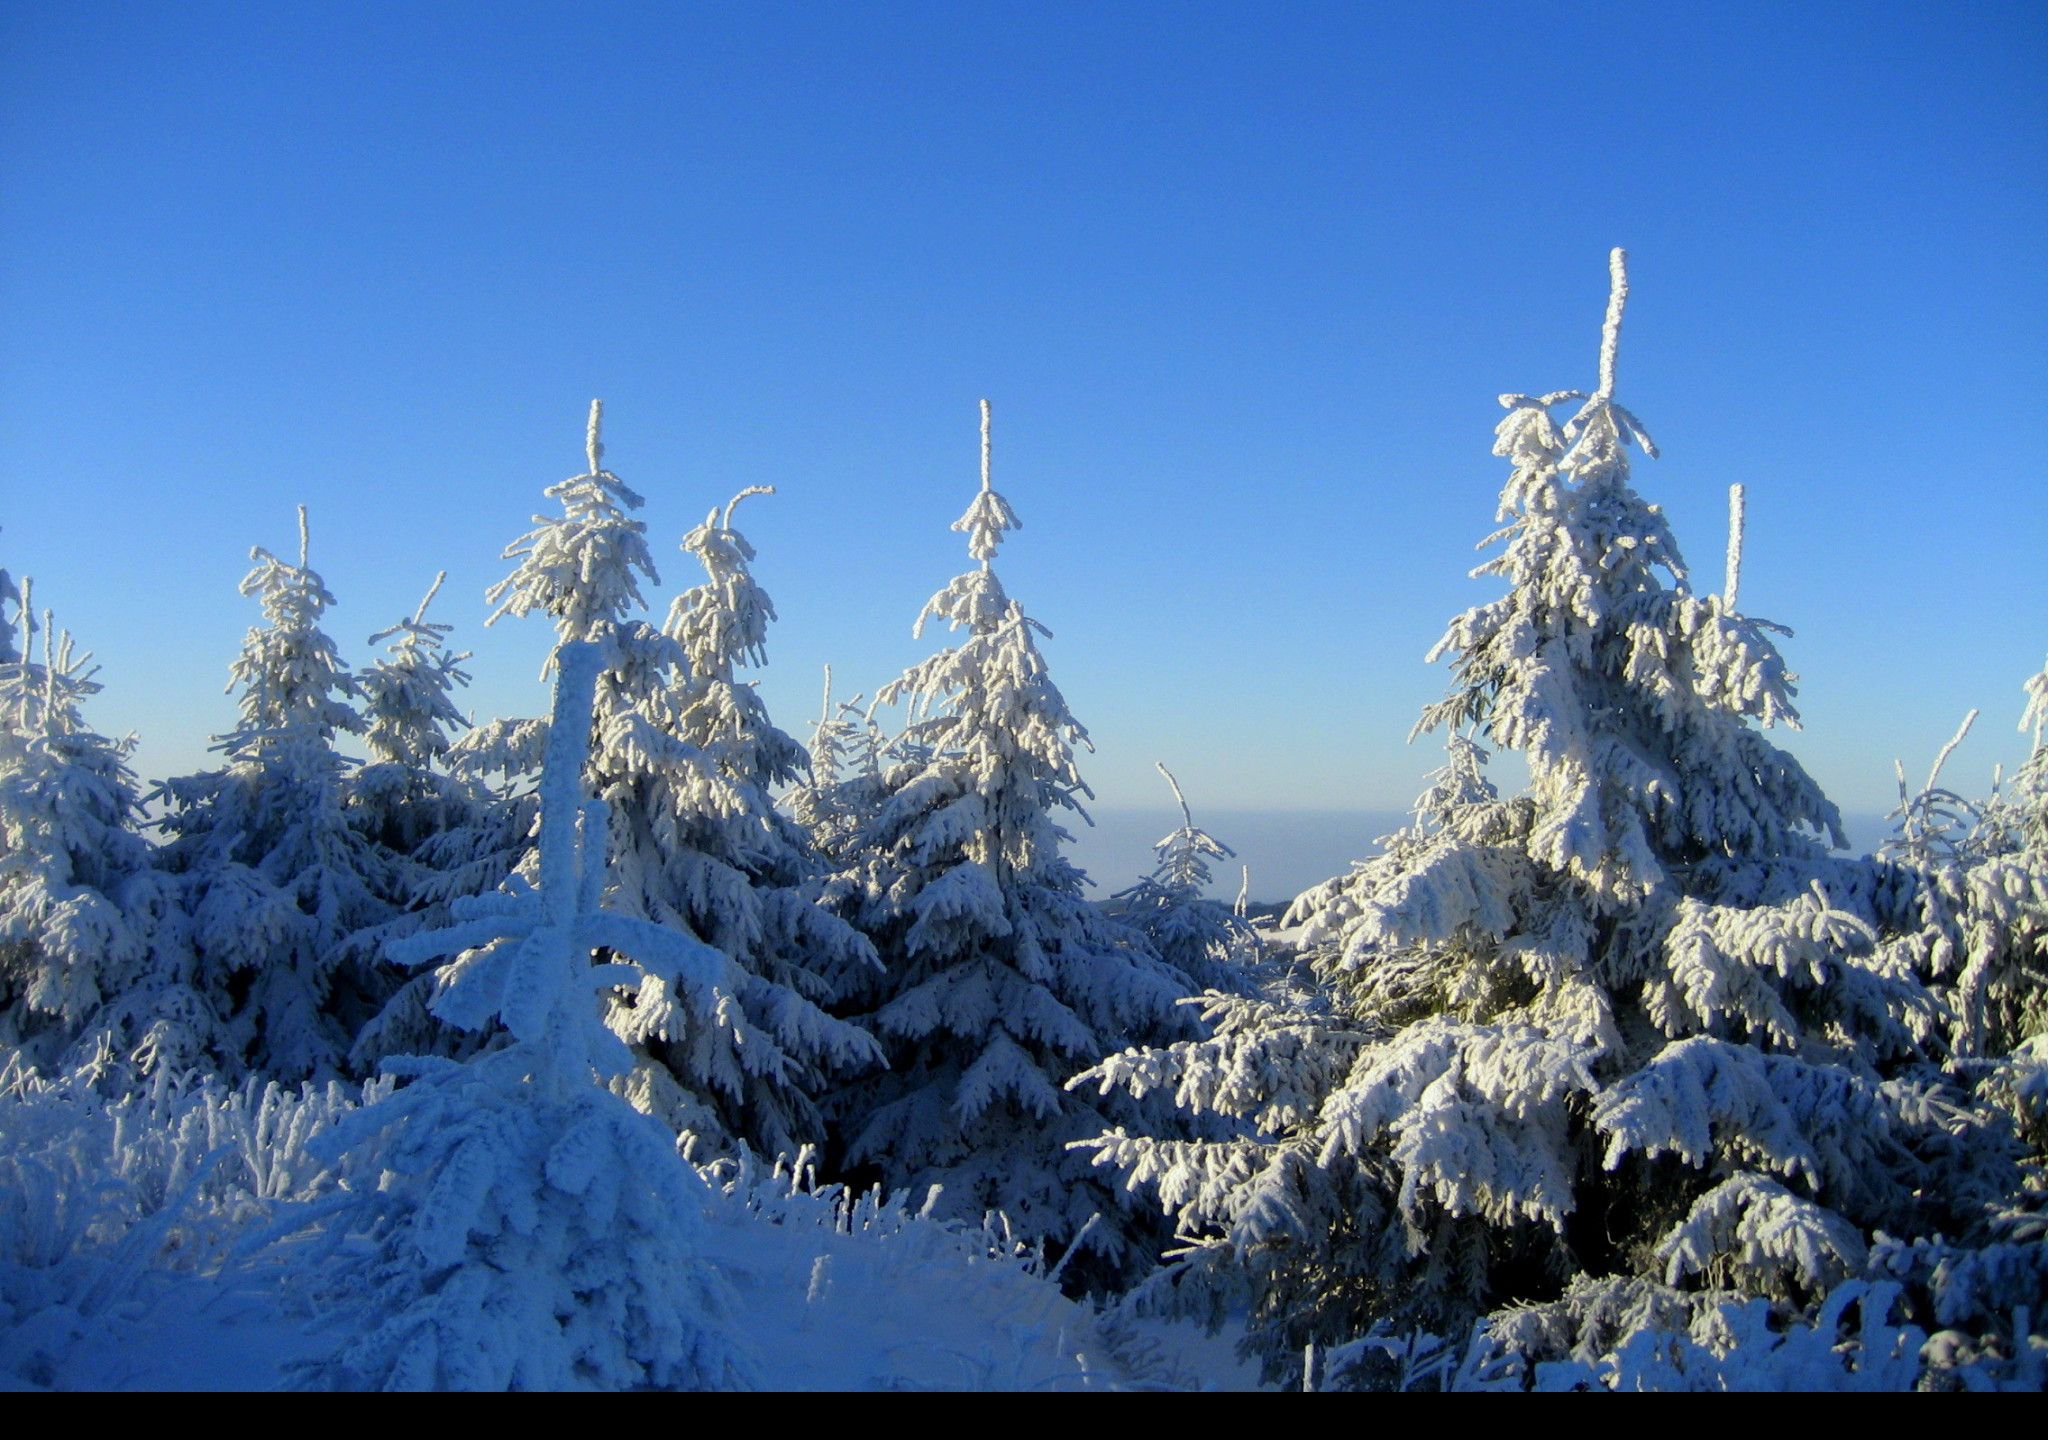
1242, 282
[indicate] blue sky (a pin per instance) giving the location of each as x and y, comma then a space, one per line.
1242, 282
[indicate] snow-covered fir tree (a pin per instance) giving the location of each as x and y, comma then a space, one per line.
1200, 937
738, 872
404, 795
444, 829
78, 897
684, 757
1972, 878
1631, 1027
532, 1230
2027, 803
1002, 980
839, 793
276, 879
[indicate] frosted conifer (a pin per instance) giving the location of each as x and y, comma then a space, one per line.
1632, 1022
443, 832
276, 878
1002, 980
1200, 937
684, 755
405, 795
408, 715
77, 895
837, 797
2029, 804
716, 856
583, 569
534, 1231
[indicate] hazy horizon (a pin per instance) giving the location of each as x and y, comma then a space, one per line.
1286, 851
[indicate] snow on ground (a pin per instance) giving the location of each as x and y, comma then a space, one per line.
865, 1296
824, 1294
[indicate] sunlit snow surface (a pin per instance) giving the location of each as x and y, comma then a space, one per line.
828, 1296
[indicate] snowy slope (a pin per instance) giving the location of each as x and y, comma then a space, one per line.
826, 1295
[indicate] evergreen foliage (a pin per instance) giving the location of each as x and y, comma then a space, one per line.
841, 792
2027, 808
1634, 1022
77, 896
442, 828
533, 1230
1198, 936
684, 757
1001, 979
404, 796
1626, 1080
275, 878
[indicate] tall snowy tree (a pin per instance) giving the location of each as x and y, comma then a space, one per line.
443, 829
277, 880
405, 795
1963, 887
684, 756
532, 1231
1002, 979
1632, 1026
77, 894
729, 866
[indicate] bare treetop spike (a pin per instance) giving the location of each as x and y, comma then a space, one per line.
593, 443
1733, 584
305, 539
726, 523
984, 445
434, 589
1186, 818
1610, 331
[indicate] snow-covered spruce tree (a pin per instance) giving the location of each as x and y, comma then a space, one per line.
1198, 936
404, 795
443, 829
1002, 980
581, 570
1975, 903
77, 893
1616, 1030
2027, 803
533, 1231
276, 879
838, 795
1974, 881
715, 854
684, 756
